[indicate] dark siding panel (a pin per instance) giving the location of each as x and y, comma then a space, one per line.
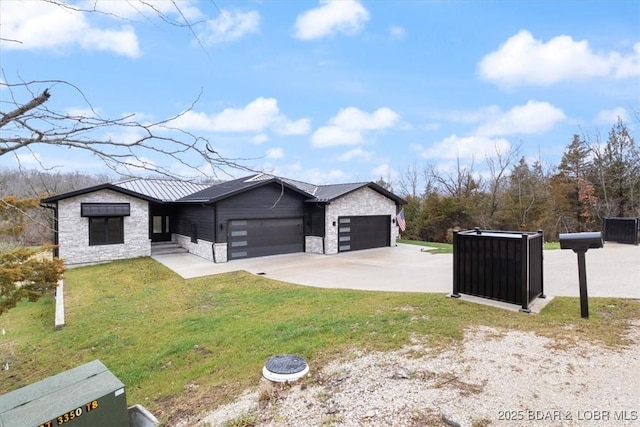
268, 201
314, 220
201, 216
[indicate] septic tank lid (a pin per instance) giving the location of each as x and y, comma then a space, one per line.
285, 367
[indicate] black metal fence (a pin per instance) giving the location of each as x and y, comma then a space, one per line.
500, 265
622, 230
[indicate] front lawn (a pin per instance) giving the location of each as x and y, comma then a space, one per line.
185, 346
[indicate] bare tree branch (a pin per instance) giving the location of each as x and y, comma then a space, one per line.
34, 123
23, 109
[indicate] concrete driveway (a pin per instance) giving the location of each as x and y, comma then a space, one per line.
613, 271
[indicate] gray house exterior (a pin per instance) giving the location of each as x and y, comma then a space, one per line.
254, 216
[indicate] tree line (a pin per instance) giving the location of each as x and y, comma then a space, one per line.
594, 180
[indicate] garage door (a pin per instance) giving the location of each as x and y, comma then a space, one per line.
363, 232
250, 238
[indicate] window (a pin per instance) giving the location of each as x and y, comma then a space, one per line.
157, 225
106, 230
194, 233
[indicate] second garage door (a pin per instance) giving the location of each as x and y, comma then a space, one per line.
248, 238
363, 232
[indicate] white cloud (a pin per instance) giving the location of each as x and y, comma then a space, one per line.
229, 26
30, 160
305, 174
82, 112
383, 171
331, 17
132, 9
610, 117
356, 153
275, 153
258, 116
318, 176
125, 136
350, 124
524, 60
42, 25
397, 32
454, 147
123, 41
297, 127
351, 118
533, 117
331, 136
261, 138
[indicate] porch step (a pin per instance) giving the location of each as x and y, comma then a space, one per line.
163, 248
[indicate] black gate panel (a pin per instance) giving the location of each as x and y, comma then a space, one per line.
505, 266
363, 232
249, 238
622, 230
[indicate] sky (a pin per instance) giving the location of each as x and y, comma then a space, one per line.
337, 91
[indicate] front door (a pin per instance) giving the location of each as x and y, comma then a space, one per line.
159, 224
160, 228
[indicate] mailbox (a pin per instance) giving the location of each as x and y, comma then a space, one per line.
86, 396
581, 241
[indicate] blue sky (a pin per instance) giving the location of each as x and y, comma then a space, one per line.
339, 91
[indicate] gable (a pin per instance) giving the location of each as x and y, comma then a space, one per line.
95, 189
272, 199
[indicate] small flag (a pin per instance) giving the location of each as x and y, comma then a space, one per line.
400, 220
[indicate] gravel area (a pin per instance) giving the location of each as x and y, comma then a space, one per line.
492, 377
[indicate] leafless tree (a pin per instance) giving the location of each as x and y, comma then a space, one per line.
498, 164
460, 184
28, 117
409, 181
26, 120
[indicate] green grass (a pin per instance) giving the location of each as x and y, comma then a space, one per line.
183, 346
447, 248
551, 245
431, 247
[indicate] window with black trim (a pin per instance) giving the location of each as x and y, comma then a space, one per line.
106, 230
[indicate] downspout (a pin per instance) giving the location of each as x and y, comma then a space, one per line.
56, 252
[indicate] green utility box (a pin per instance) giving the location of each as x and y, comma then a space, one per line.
86, 396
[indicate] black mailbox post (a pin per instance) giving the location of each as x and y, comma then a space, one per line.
581, 243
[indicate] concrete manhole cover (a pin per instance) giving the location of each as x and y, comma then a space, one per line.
285, 367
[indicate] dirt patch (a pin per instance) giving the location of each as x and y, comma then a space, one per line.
494, 377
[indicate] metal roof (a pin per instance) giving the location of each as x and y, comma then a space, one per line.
326, 193
167, 190
315, 193
230, 188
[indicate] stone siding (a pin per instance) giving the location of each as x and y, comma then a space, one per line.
364, 201
313, 245
73, 230
220, 252
203, 248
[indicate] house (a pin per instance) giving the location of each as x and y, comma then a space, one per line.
253, 216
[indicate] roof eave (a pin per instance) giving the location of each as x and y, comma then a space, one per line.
99, 187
